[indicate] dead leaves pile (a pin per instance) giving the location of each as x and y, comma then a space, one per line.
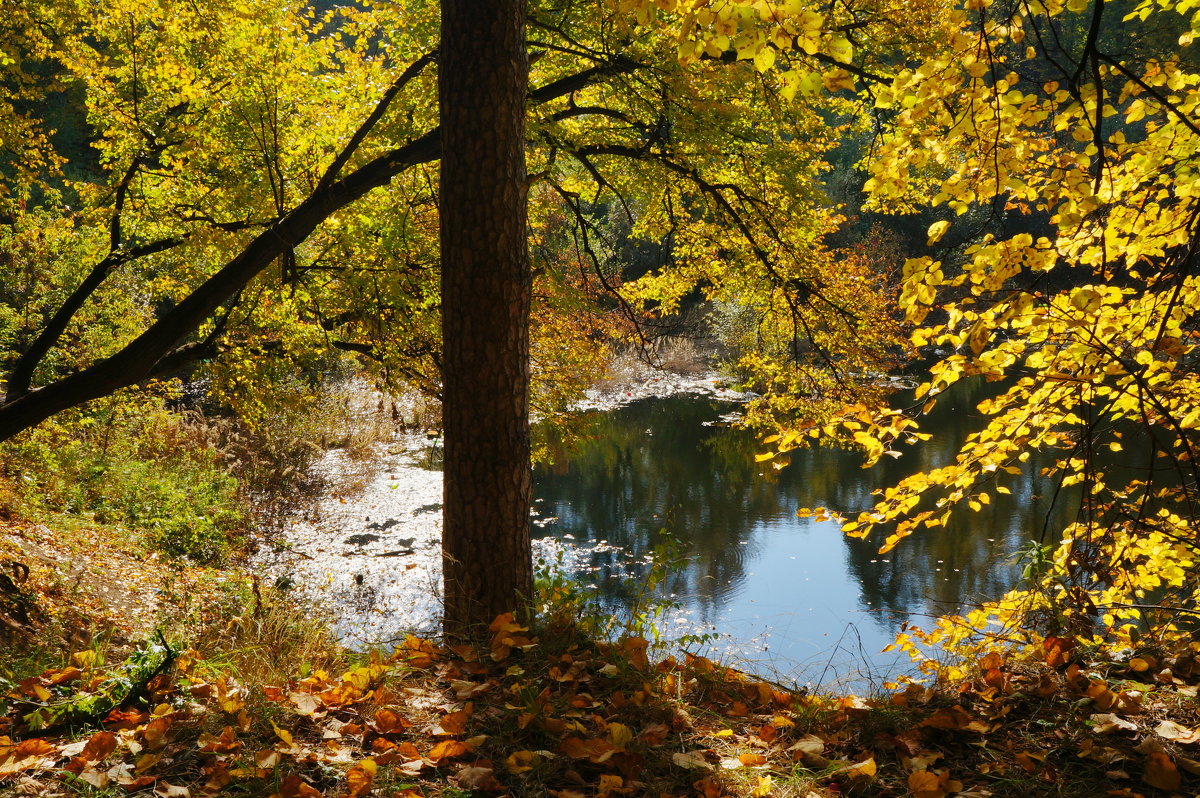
515, 718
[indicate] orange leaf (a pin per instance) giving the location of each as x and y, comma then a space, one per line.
595, 750
610, 784
33, 748
359, 778
293, 787
99, 746
924, 784
155, 732
448, 749
1161, 772
708, 788
453, 724
1057, 650
751, 759
388, 722
635, 651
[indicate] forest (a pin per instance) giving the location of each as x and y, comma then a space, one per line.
238, 238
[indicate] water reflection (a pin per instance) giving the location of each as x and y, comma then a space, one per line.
754, 570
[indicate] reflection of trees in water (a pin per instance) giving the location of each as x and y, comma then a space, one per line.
650, 466
653, 465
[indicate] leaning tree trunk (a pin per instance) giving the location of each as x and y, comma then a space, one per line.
483, 81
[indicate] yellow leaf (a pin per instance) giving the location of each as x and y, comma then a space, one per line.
936, 231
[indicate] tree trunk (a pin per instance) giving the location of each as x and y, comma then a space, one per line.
483, 82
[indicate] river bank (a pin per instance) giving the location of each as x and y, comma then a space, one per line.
367, 550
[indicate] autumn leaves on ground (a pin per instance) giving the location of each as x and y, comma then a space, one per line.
253, 702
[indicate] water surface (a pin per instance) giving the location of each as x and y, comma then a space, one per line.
790, 596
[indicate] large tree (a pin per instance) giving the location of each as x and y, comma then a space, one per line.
486, 288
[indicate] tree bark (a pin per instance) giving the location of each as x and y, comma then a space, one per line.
486, 285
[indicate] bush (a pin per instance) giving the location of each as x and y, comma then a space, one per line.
130, 461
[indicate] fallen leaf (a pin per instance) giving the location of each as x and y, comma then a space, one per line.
691, 759
1161, 772
448, 749
707, 787
306, 704
478, 778
619, 735
654, 733
924, 784
294, 787
522, 761
955, 718
1170, 730
1056, 651
865, 769
1106, 723
99, 746
453, 724
595, 750
386, 721
635, 651
155, 732
610, 784
359, 778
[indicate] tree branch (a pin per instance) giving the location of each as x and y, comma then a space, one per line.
138, 360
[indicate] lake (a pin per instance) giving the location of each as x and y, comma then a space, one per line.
789, 596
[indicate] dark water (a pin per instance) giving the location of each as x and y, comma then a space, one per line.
791, 597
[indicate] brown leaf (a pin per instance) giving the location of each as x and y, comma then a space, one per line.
218, 775
478, 778
654, 733
226, 743
266, 760
691, 759
954, 718
165, 790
